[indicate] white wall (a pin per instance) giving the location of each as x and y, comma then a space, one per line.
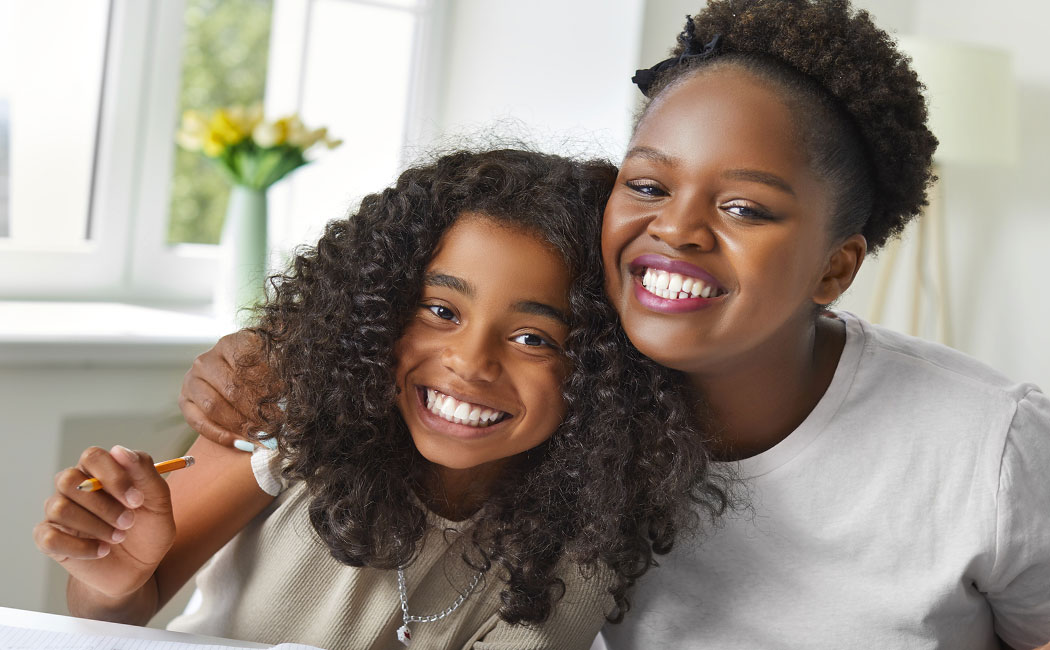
552, 72
998, 219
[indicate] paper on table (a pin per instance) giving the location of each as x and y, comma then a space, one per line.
19, 638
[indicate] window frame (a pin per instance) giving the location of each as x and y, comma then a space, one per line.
127, 257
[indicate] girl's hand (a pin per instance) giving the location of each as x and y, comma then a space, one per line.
209, 396
111, 540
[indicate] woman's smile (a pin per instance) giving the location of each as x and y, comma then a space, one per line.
673, 286
715, 235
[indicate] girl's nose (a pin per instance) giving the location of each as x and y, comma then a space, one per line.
471, 358
683, 224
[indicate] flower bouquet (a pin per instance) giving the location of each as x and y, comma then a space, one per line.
254, 154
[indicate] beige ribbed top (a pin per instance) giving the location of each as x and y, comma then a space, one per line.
276, 582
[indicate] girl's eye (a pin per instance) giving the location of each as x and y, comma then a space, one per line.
646, 188
533, 340
442, 312
748, 212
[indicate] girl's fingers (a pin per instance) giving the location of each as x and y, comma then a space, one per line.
99, 463
61, 545
101, 505
74, 519
153, 490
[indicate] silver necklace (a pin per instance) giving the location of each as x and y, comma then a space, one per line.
404, 635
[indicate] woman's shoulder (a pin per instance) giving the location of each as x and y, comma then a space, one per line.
902, 362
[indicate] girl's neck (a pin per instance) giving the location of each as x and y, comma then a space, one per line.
456, 494
760, 400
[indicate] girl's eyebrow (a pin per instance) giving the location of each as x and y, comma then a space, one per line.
450, 282
467, 289
541, 309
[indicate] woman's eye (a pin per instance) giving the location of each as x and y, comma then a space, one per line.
646, 188
748, 212
533, 340
442, 312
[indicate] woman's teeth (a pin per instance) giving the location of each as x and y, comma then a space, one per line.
675, 287
453, 410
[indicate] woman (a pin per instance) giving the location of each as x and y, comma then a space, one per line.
895, 486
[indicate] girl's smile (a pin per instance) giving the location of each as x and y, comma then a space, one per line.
480, 368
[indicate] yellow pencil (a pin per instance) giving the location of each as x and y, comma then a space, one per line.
93, 484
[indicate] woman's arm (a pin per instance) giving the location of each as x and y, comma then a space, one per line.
211, 399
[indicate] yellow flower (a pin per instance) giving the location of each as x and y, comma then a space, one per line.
190, 135
213, 145
269, 134
225, 127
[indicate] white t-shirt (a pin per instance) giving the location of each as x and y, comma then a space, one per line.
911, 509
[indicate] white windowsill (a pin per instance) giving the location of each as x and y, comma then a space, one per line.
104, 333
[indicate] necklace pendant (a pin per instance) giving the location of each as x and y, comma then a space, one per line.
404, 635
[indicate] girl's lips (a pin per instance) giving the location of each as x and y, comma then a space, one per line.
451, 429
654, 261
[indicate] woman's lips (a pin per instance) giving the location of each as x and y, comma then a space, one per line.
654, 302
654, 261
672, 286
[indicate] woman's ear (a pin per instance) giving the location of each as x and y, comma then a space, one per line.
841, 269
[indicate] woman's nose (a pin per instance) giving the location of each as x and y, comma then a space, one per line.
683, 224
471, 358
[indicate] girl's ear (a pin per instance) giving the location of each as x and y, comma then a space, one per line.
841, 269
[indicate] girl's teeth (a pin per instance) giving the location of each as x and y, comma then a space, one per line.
674, 286
448, 409
453, 410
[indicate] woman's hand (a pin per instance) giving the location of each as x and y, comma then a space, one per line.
111, 540
210, 398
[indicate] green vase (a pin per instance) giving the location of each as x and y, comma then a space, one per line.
244, 255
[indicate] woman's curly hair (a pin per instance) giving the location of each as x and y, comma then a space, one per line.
618, 479
860, 106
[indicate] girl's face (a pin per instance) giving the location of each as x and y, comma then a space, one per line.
715, 236
480, 367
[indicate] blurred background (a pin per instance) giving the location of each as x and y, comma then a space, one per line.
108, 230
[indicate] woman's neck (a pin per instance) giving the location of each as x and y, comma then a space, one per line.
760, 400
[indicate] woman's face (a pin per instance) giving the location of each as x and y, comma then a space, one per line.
480, 367
715, 239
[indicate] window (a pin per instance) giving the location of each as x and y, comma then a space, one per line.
95, 205
224, 56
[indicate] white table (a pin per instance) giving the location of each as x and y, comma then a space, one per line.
55, 623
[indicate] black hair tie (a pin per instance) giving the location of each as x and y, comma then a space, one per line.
645, 79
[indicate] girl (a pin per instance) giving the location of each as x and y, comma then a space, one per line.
470, 453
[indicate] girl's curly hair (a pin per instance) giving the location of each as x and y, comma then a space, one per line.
618, 479
860, 107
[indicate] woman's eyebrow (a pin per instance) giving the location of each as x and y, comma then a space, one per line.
541, 309
654, 155
757, 176
449, 282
